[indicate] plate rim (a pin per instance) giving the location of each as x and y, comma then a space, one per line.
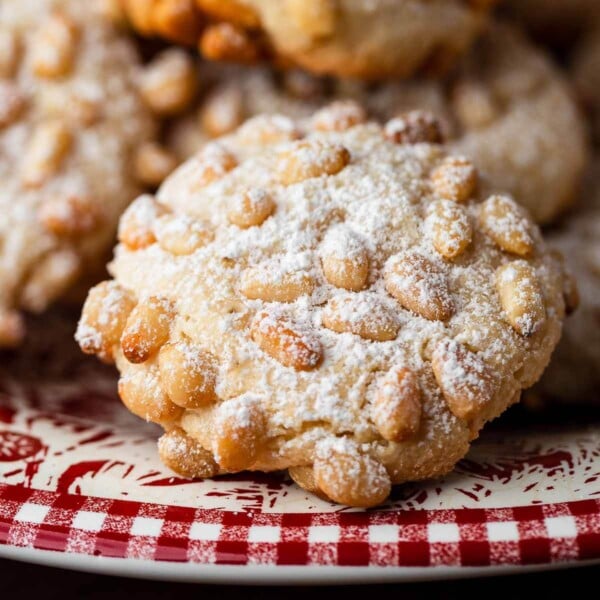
253, 575
55, 539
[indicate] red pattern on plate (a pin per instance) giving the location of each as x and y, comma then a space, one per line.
78, 474
468, 537
17, 446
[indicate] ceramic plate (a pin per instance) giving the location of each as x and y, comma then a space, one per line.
81, 487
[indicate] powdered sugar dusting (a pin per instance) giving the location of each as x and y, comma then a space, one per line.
314, 382
530, 144
347, 469
462, 372
342, 243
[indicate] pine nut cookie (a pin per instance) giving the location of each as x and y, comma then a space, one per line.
507, 108
335, 301
70, 121
369, 39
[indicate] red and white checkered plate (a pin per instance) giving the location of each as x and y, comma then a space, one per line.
81, 486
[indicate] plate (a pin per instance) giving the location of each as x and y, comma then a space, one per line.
81, 487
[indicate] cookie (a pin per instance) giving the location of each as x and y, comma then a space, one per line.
506, 107
332, 298
522, 125
357, 38
574, 372
70, 122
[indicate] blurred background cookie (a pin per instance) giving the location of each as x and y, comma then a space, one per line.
71, 121
574, 372
370, 39
506, 106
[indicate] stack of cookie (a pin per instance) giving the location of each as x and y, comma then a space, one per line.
335, 265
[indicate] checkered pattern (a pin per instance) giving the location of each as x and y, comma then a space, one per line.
468, 537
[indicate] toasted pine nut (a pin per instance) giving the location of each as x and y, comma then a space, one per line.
177, 20
414, 127
111, 10
140, 392
12, 103
222, 111
103, 319
285, 342
181, 235
141, 14
268, 282
10, 53
344, 259
521, 297
56, 272
467, 383
54, 47
213, 162
419, 285
228, 42
305, 160
251, 209
508, 225
339, 116
268, 129
188, 374
70, 216
169, 83
239, 433
396, 409
147, 329
234, 11
304, 476
135, 228
455, 179
153, 163
449, 227
184, 455
369, 484
49, 145
68, 105
316, 18
473, 104
363, 315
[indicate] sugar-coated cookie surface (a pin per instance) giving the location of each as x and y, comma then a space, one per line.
369, 39
70, 121
507, 107
329, 297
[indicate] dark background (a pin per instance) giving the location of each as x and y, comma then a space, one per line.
30, 581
